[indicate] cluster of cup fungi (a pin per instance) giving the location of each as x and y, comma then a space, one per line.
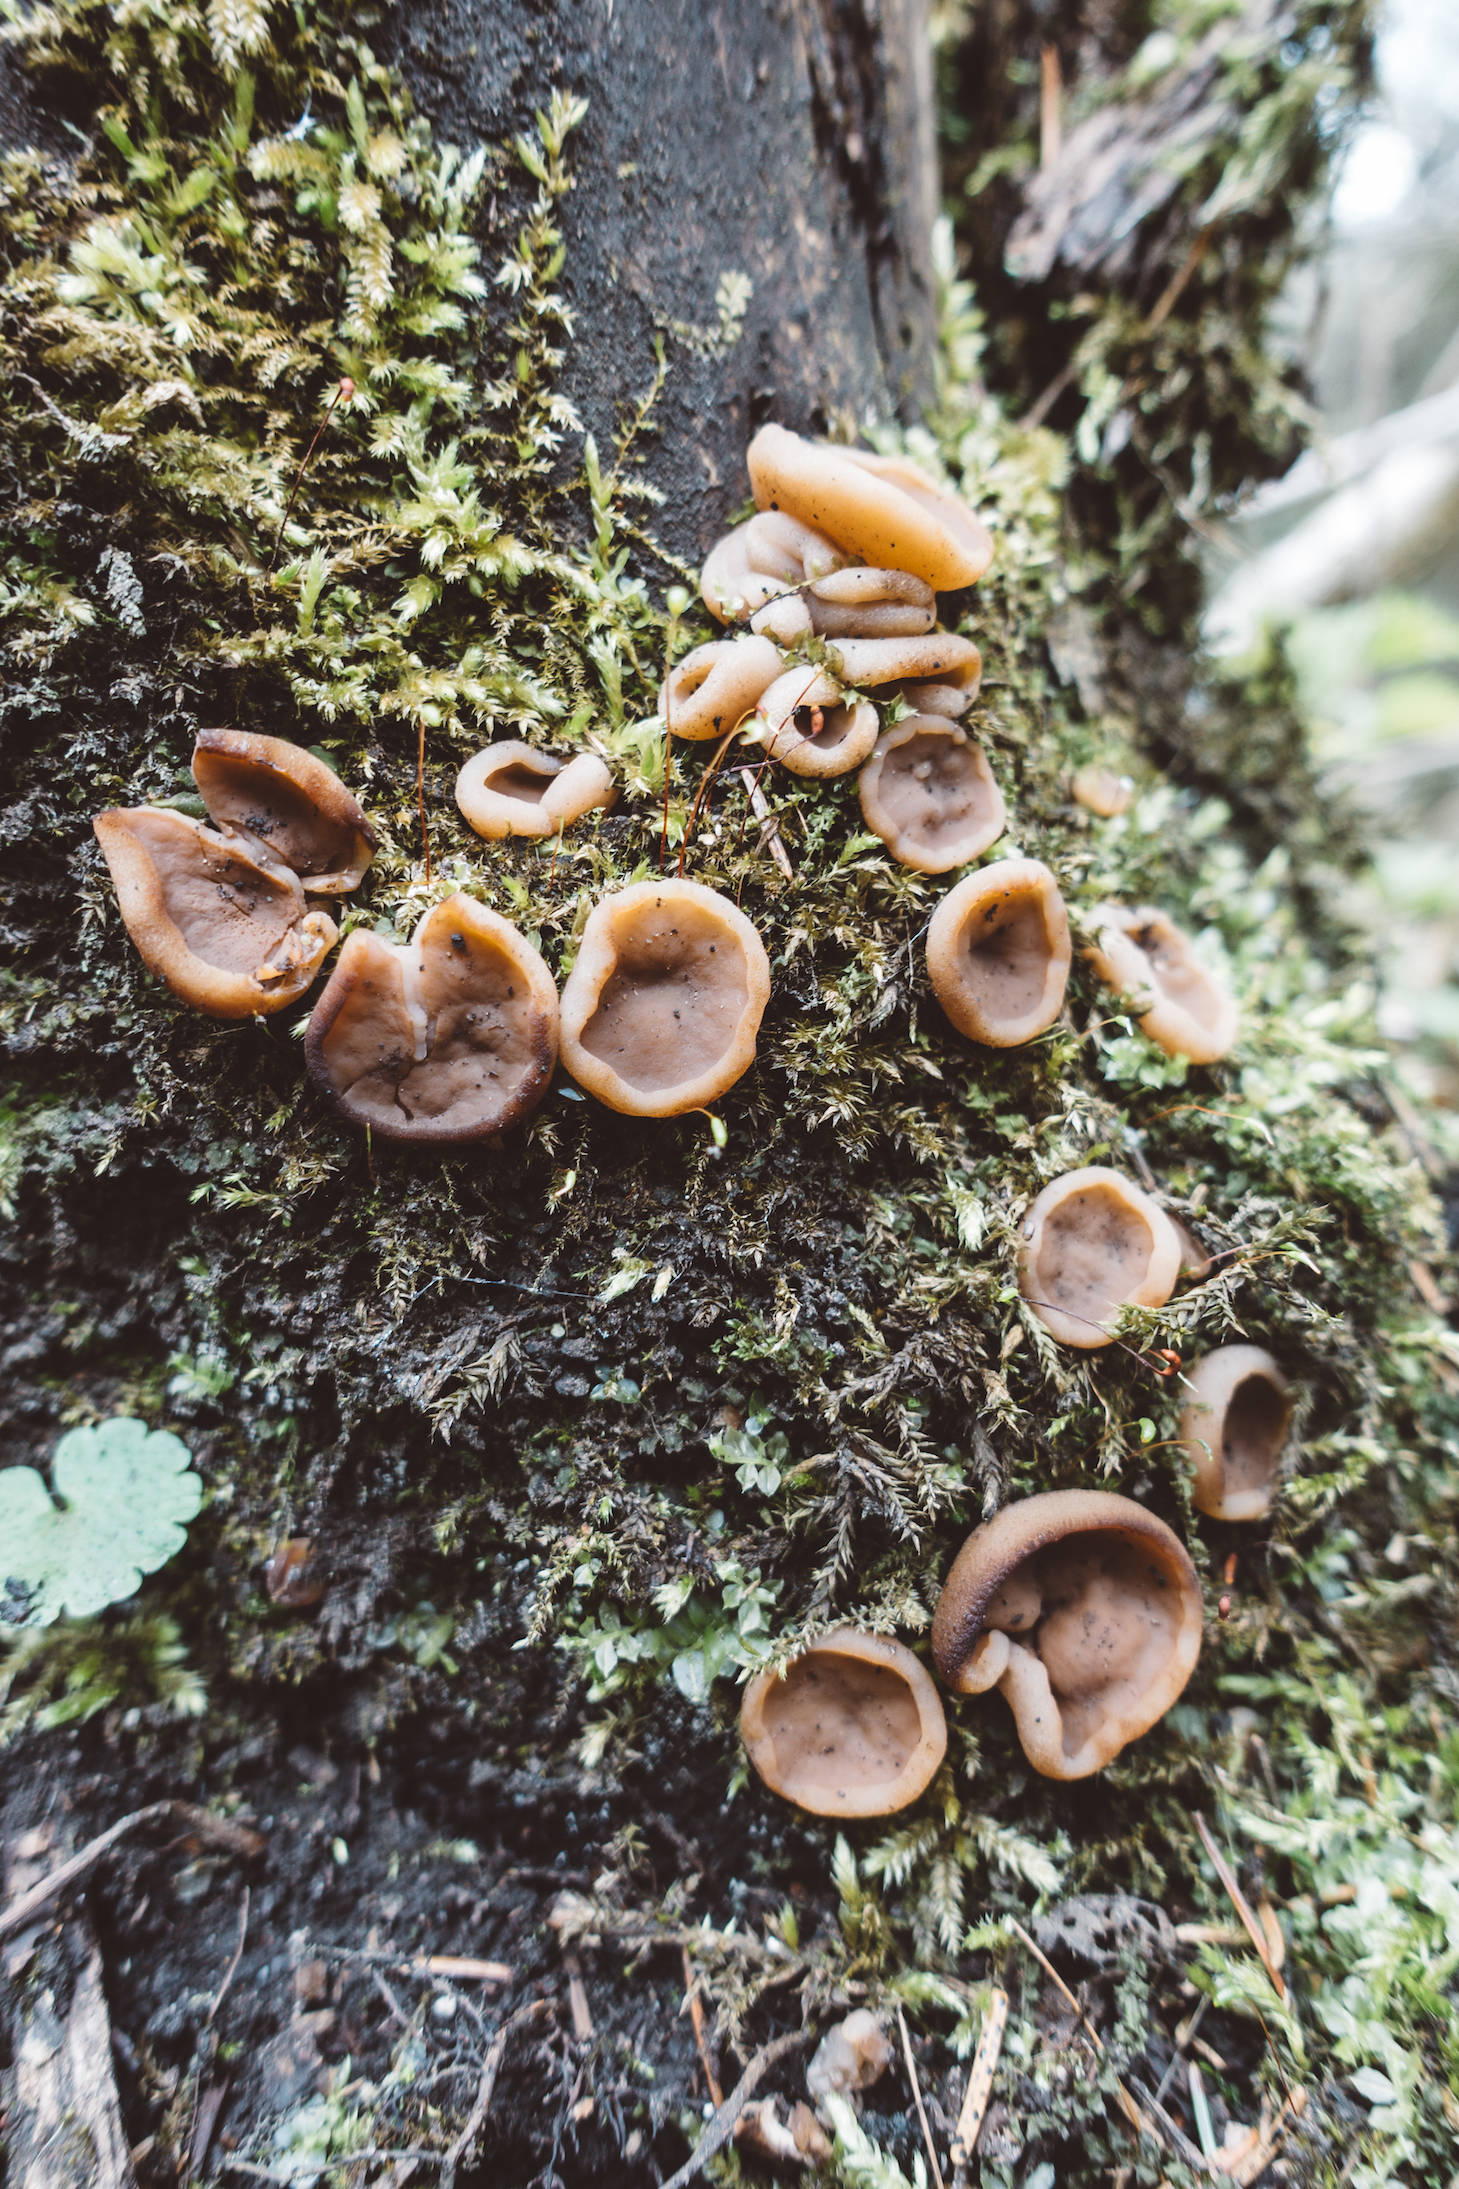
1081, 1606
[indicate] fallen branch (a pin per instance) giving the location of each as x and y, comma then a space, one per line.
490, 2069
722, 2124
237, 1839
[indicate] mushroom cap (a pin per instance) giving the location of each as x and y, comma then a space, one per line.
226, 928
1085, 1610
1091, 1244
854, 1728
449, 1037
1185, 1010
998, 953
924, 697
287, 799
862, 603
937, 657
1233, 1428
786, 724
661, 1009
511, 789
884, 509
760, 561
928, 793
716, 686
1099, 790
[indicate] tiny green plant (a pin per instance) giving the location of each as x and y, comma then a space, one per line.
123, 1497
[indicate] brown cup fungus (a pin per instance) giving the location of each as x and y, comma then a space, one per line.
864, 603
807, 723
712, 690
284, 798
1085, 1610
1185, 1010
661, 1009
1091, 1244
998, 953
883, 509
226, 927
937, 657
923, 697
766, 560
928, 793
1233, 1428
853, 1728
513, 790
1099, 790
449, 1037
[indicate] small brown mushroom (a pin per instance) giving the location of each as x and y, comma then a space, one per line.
1085, 1610
760, 562
1099, 790
449, 1037
853, 1728
923, 697
1233, 1427
806, 723
715, 687
1185, 1010
514, 790
884, 509
928, 793
212, 915
937, 657
294, 1574
276, 794
1091, 1244
998, 953
661, 1009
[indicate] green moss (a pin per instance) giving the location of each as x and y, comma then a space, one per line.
662, 1399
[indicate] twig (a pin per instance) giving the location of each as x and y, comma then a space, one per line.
722, 2126
236, 1838
769, 826
232, 1968
917, 2100
1194, 2158
465, 1964
1239, 1902
1128, 2107
696, 2018
420, 789
1051, 117
980, 2078
1171, 295
490, 2068
344, 393
436, 1964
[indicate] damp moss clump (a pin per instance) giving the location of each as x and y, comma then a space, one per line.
631, 1407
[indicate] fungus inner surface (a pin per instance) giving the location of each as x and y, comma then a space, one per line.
1093, 1253
672, 1004
517, 780
930, 788
838, 1721
1253, 1433
1007, 953
232, 911
1103, 1617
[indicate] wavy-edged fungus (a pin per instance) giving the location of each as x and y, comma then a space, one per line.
1186, 1010
513, 790
1091, 1244
1085, 1610
714, 688
923, 697
1233, 1428
1099, 790
449, 1037
884, 509
861, 603
762, 561
661, 1008
280, 796
998, 953
937, 657
212, 915
928, 793
806, 723
854, 1728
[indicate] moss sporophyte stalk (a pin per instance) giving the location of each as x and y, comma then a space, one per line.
614, 1404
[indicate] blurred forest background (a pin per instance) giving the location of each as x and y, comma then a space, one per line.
1355, 553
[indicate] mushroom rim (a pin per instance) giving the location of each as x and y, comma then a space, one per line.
1150, 1291
862, 1646
1001, 1545
336, 801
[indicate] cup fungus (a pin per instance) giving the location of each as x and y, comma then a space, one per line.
1185, 1010
449, 1037
513, 790
923, 697
928, 793
937, 657
1233, 1428
883, 509
853, 1728
998, 953
864, 603
278, 795
661, 1009
1085, 1610
1091, 1244
714, 688
806, 723
761, 561
1099, 790
212, 915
